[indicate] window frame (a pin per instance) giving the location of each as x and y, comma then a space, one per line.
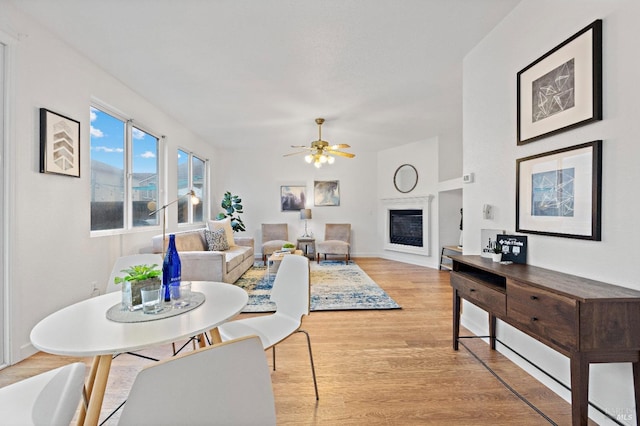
204, 196
129, 124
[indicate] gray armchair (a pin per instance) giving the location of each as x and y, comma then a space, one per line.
337, 241
274, 236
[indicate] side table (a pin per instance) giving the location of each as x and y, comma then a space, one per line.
308, 246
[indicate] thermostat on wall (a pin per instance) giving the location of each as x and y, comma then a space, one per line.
468, 178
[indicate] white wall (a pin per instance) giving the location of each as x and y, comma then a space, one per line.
257, 175
53, 261
490, 151
423, 155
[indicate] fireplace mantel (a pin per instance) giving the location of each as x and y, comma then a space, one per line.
425, 199
419, 202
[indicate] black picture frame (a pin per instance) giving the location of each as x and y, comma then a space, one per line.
562, 89
514, 248
559, 193
59, 144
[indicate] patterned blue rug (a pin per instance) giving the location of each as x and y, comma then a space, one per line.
334, 287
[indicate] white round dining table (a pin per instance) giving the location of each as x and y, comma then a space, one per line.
83, 329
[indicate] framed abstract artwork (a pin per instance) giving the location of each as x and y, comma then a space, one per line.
59, 144
326, 193
292, 198
558, 193
562, 89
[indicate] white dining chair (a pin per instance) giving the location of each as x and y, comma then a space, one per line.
49, 398
224, 384
291, 294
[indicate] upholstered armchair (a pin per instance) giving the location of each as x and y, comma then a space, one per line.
337, 241
274, 236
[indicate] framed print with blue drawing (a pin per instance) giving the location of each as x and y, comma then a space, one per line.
558, 193
562, 89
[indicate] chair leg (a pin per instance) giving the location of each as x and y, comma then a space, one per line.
313, 369
273, 349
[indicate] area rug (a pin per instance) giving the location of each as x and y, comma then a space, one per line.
334, 287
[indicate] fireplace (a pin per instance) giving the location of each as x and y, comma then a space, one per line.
405, 227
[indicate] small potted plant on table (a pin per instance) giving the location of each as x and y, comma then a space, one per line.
137, 277
496, 254
288, 247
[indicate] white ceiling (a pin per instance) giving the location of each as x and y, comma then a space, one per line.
241, 73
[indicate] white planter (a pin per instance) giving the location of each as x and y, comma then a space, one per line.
497, 257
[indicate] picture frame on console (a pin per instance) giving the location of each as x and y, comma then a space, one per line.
59, 144
559, 193
562, 89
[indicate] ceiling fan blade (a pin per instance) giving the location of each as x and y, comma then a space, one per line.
340, 153
340, 146
301, 146
295, 153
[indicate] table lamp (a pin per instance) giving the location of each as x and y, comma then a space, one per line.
306, 215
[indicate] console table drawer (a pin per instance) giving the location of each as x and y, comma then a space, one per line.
493, 300
549, 316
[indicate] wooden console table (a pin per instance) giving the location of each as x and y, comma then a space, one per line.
586, 320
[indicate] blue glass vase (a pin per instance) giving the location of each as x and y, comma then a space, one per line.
171, 268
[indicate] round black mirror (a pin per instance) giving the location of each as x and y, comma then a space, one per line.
405, 178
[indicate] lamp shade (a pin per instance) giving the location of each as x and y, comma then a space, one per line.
305, 214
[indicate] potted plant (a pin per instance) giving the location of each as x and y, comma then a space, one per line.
288, 247
496, 254
137, 277
232, 204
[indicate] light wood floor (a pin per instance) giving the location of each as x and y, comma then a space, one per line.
392, 367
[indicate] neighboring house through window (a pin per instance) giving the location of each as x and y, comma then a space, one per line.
124, 173
192, 174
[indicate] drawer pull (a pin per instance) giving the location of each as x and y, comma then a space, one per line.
534, 297
534, 319
472, 290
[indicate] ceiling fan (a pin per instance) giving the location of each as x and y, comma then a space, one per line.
320, 151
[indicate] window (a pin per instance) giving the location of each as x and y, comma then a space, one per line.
192, 172
124, 173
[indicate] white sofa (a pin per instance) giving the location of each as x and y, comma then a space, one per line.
200, 264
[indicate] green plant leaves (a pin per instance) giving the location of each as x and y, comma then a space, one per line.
232, 204
139, 273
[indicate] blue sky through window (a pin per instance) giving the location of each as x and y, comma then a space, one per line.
107, 143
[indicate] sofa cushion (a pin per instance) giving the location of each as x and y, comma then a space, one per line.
188, 241
235, 255
223, 224
217, 240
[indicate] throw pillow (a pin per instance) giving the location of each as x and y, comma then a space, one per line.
217, 240
223, 224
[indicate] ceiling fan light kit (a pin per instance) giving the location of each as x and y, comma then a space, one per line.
321, 152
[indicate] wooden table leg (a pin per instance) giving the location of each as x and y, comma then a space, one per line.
456, 319
579, 389
492, 331
94, 390
215, 336
636, 386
